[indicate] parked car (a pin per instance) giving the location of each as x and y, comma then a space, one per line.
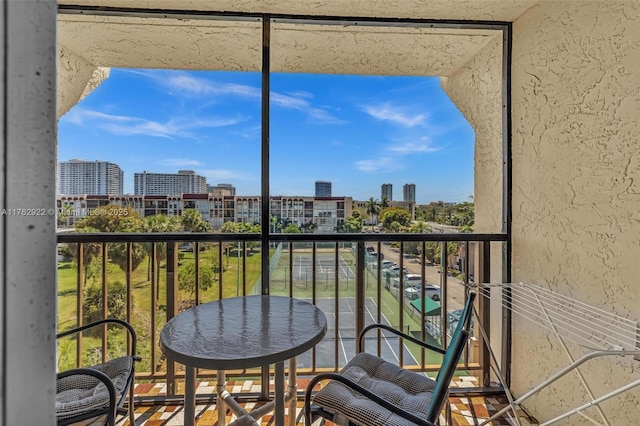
415, 292
387, 264
395, 270
409, 280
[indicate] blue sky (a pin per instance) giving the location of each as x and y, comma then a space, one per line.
357, 132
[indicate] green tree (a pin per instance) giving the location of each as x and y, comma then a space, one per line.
395, 226
110, 218
292, 229
187, 279
431, 249
384, 203
93, 302
118, 251
414, 247
118, 255
465, 229
350, 225
229, 228
113, 218
89, 251
395, 214
191, 220
159, 224
462, 214
276, 224
308, 228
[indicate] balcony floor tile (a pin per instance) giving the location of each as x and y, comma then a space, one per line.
465, 411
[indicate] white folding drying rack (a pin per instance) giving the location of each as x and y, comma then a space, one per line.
600, 332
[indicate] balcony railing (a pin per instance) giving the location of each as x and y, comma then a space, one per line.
148, 278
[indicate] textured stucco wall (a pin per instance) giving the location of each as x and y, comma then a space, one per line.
576, 184
76, 79
476, 89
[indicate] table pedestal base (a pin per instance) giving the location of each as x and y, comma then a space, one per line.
249, 418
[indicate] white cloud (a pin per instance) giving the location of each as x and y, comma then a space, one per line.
185, 82
181, 82
179, 162
378, 164
301, 94
299, 103
129, 126
407, 148
387, 112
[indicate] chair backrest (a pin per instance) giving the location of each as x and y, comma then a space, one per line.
450, 361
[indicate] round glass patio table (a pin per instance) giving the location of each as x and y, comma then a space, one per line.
239, 333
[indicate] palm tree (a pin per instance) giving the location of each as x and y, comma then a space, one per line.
384, 203
372, 208
89, 252
159, 223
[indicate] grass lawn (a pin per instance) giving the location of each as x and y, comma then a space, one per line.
142, 298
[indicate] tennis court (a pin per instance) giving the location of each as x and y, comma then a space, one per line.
346, 338
325, 267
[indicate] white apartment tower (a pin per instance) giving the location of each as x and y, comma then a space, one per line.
386, 191
409, 192
183, 182
77, 177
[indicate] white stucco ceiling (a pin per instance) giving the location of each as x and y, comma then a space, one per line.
200, 44
91, 41
236, 46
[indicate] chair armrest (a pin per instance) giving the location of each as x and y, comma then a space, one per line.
399, 333
104, 379
122, 323
365, 392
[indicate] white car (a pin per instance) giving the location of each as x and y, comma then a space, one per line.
430, 291
395, 270
409, 280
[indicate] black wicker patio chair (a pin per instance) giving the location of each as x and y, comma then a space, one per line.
95, 395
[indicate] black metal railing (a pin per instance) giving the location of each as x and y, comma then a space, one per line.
148, 278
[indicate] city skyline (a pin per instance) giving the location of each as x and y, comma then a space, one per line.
322, 188
356, 132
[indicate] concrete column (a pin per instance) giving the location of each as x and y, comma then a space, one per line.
27, 237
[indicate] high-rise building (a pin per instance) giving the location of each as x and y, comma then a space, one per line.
387, 191
89, 177
323, 188
183, 182
409, 192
